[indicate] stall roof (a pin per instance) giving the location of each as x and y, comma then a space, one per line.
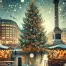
63, 46
3, 47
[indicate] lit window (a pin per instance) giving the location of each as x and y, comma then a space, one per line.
3, 24
3, 37
3, 31
7, 37
7, 42
7, 27
7, 24
10, 41
10, 31
7, 31
10, 25
3, 27
10, 28
10, 37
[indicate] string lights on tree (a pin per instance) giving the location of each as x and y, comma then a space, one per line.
33, 32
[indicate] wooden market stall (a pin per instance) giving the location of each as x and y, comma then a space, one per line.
5, 53
57, 55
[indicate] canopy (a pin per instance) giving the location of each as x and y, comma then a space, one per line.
17, 49
3, 47
62, 46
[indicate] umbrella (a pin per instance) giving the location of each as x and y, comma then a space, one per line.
3, 47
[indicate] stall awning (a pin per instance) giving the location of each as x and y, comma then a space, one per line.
3, 47
62, 46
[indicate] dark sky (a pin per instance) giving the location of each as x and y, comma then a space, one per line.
15, 10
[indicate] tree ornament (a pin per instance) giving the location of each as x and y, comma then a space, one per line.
36, 11
32, 36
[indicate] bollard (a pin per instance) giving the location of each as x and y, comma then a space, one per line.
19, 61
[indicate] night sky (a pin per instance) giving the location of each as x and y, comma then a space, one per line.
15, 10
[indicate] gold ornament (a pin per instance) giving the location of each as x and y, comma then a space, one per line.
32, 36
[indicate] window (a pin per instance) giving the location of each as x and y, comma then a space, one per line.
7, 31
10, 28
10, 31
10, 25
3, 24
10, 37
58, 36
3, 37
7, 27
7, 35
3, 31
3, 27
7, 24
7, 42
10, 41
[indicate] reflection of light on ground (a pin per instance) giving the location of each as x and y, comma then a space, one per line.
43, 62
37, 62
30, 62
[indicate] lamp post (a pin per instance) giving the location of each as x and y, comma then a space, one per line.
19, 61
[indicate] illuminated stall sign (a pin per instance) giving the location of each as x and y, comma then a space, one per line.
5, 54
57, 54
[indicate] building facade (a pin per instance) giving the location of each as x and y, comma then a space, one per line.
51, 36
9, 32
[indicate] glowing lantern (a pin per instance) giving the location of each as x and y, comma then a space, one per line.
31, 55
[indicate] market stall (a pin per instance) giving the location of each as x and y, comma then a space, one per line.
57, 55
5, 53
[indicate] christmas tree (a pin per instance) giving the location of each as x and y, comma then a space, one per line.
33, 32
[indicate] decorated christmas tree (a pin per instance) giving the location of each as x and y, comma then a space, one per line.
33, 33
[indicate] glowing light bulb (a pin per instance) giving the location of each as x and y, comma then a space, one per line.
31, 55
22, 0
